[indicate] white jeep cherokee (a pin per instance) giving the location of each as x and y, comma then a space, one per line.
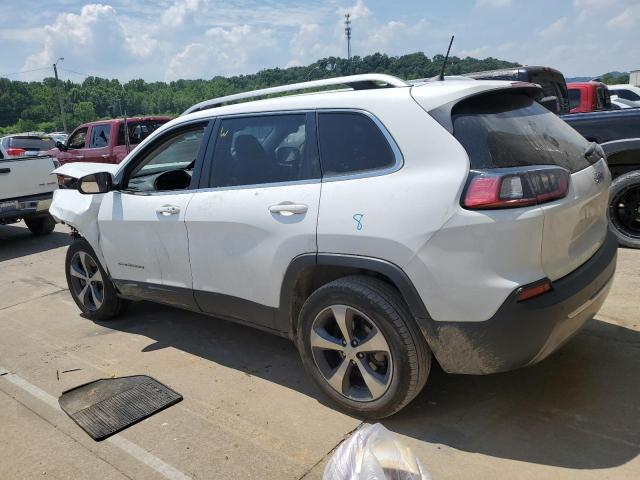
374, 225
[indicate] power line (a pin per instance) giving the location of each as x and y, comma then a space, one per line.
23, 71
77, 73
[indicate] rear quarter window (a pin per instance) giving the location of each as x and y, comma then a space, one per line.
351, 143
509, 129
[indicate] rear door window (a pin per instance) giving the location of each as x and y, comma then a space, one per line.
263, 149
350, 143
100, 136
509, 129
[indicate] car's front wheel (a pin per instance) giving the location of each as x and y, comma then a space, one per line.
359, 343
89, 284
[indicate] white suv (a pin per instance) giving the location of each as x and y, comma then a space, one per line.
374, 225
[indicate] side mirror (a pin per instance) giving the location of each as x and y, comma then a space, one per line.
101, 182
61, 146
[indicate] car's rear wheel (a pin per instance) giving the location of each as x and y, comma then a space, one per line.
89, 284
40, 225
360, 345
624, 209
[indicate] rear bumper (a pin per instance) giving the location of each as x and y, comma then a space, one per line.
523, 333
25, 206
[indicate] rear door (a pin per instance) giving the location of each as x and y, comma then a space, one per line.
259, 212
98, 149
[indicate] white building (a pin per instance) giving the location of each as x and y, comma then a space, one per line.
634, 78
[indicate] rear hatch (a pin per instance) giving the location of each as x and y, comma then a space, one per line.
22, 177
508, 129
25, 145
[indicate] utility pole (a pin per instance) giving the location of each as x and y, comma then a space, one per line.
347, 33
55, 72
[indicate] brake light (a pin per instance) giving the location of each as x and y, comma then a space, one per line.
535, 290
514, 187
16, 152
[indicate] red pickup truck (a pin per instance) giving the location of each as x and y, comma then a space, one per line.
104, 141
588, 97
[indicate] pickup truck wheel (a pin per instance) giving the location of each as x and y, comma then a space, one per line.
624, 209
41, 225
361, 346
89, 284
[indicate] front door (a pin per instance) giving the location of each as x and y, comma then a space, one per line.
259, 212
142, 227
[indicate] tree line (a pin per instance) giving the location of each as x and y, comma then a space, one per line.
33, 106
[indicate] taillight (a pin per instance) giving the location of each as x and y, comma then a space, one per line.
514, 187
16, 152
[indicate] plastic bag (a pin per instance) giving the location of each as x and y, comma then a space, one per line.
374, 453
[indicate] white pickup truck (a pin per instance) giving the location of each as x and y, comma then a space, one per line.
26, 189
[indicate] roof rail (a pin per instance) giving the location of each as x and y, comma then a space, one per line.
357, 82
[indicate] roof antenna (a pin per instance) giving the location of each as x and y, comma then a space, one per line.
446, 57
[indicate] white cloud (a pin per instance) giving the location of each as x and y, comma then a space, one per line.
94, 39
241, 49
492, 3
555, 28
176, 14
630, 17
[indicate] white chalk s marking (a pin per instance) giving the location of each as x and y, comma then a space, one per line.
122, 443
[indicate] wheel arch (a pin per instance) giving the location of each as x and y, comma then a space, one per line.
623, 156
308, 272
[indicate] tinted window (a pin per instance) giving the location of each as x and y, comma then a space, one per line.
31, 143
169, 164
574, 98
77, 139
263, 149
511, 130
351, 143
100, 136
626, 94
138, 131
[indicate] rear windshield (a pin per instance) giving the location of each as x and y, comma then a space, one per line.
509, 129
32, 143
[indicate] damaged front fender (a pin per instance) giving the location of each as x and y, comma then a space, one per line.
80, 212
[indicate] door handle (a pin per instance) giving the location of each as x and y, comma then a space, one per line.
5, 170
78, 157
106, 155
288, 208
167, 210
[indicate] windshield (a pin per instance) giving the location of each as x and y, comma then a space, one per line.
510, 129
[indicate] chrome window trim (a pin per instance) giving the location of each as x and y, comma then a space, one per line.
375, 172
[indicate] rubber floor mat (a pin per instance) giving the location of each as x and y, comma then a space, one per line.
104, 407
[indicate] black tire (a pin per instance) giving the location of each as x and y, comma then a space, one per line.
410, 354
40, 225
101, 302
624, 209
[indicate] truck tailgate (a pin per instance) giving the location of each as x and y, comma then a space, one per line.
22, 177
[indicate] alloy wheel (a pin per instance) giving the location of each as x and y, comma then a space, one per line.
351, 353
86, 281
624, 211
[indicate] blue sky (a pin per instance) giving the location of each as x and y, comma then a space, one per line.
172, 39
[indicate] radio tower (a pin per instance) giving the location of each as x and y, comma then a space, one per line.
347, 33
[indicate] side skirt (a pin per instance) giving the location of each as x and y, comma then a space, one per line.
227, 307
